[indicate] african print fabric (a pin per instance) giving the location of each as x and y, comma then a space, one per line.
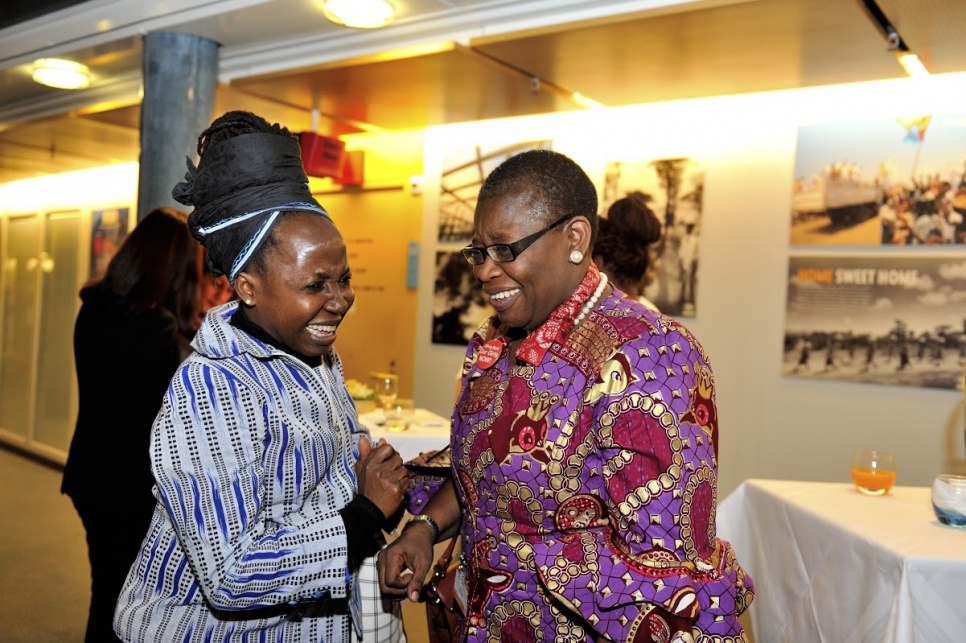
588, 485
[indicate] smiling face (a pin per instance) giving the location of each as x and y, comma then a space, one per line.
526, 290
301, 292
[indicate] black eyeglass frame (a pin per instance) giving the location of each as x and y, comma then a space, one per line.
476, 255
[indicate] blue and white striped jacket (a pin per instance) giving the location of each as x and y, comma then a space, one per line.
254, 453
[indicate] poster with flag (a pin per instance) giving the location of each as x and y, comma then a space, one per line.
889, 182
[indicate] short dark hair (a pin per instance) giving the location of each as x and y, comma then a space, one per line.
157, 266
557, 185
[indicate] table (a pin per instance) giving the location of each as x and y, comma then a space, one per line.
428, 433
833, 565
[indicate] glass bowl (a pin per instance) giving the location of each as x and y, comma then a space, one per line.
949, 499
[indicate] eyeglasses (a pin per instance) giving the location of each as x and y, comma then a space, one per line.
507, 252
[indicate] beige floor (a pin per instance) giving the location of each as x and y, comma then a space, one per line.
44, 574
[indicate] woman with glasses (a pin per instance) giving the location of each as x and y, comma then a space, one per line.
584, 444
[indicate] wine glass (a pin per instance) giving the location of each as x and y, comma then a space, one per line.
400, 414
386, 386
873, 472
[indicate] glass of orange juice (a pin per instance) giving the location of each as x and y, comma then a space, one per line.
873, 472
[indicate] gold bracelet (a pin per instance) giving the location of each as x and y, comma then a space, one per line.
426, 519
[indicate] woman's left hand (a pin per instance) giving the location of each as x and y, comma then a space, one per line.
382, 477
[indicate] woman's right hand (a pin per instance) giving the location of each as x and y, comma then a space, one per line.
404, 564
382, 477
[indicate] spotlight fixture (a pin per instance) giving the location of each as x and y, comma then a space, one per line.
910, 62
360, 14
60, 73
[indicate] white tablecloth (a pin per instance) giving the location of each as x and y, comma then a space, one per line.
428, 433
833, 565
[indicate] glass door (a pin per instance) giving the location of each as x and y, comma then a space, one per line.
21, 268
55, 410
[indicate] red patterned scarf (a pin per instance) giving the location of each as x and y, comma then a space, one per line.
561, 320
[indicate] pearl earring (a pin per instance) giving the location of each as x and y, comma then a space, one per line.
248, 301
576, 256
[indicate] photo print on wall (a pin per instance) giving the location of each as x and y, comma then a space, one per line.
108, 230
874, 319
673, 188
889, 182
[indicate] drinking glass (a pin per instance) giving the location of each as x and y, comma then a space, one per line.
873, 472
400, 414
949, 499
386, 386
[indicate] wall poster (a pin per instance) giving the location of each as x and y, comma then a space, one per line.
673, 189
897, 320
108, 230
889, 182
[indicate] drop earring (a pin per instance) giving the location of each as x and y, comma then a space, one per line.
576, 256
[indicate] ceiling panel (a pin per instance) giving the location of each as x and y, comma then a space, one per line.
449, 86
933, 29
54, 145
738, 48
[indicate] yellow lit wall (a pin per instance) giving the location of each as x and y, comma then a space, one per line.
378, 222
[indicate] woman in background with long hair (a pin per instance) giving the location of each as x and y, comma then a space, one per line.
132, 331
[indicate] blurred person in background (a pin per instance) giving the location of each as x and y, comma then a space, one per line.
132, 331
624, 248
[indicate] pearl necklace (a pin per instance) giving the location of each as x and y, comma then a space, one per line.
592, 302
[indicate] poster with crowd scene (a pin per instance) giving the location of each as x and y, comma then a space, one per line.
890, 182
458, 304
673, 188
896, 320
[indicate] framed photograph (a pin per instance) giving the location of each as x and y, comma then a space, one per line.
673, 188
891, 182
883, 320
109, 228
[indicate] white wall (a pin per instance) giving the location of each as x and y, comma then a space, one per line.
770, 426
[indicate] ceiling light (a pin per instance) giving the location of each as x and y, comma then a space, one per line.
585, 102
361, 14
62, 74
913, 66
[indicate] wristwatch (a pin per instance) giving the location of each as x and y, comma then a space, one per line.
428, 520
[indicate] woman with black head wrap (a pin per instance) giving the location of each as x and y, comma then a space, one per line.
269, 492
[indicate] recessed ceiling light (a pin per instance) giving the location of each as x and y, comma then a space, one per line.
361, 14
62, 74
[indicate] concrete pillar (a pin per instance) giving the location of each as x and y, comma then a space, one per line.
180, 78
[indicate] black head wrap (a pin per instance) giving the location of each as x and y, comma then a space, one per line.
238, 190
